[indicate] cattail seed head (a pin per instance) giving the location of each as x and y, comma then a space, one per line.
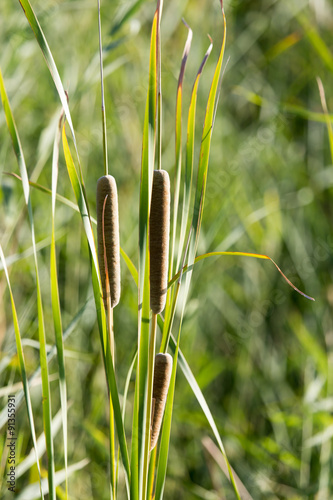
162, 375
159, 225
106, 187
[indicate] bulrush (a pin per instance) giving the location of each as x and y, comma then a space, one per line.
159, 225
162, 375
107, 188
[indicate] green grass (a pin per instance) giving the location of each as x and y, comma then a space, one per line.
256, 355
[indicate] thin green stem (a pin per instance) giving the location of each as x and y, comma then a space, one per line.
106, 167
159, 130
159, 105
109, 310
110, 329
112, 451
112, 429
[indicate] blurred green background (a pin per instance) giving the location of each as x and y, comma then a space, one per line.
261, 353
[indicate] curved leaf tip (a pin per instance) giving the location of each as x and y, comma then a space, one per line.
187, 267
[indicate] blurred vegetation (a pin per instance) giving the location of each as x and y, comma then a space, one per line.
262, 354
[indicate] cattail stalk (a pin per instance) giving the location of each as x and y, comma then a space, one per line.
159, 226
109, 265
108, 237
162, 375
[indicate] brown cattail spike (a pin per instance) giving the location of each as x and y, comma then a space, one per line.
107, 188
162, 375
159, 240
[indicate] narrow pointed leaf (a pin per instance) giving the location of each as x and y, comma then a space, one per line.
55, 299
40, 37
140, 439
47, 413
20, 394
189, 156
327, 116
189, 268
22, 371
178, 145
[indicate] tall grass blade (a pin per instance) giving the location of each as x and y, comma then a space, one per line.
140, 439
22, 371
310, 344
134, 486
47, 414
105, 147
130, 266
188, 177
197, 211
203, 162
327, 116
189, 156
204, 406
80, 199
205, 149
20, 394
40, 37
127, 383
216, 455
171, 298
125, 14
325, 484
178, 144
55, 298
29, 460
316, 40
31, 491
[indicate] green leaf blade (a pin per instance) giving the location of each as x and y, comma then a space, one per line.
46, 395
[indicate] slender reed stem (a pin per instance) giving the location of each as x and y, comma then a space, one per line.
112, 428
110, 330
159, 109
106, 167
112, 450
159, 130
112, 350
